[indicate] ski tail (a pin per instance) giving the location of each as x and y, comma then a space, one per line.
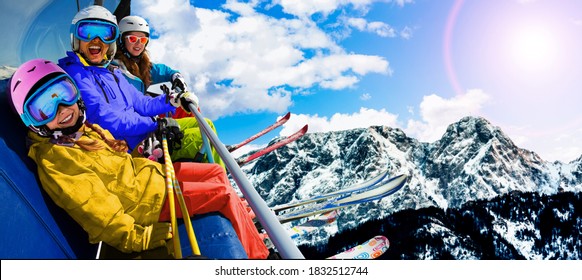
279, 123
379, 191
389, 187
275, 146
313, 224
355, 188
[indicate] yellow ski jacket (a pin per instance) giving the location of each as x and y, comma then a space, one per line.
114, 197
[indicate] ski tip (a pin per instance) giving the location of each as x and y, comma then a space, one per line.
400, 179
380, 245
287, 116
371, 249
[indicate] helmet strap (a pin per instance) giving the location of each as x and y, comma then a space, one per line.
104, 62
72, 129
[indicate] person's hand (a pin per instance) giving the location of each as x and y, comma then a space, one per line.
184, 99
178, 83
171, 129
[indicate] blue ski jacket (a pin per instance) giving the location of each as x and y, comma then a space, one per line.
160, 73
112, 102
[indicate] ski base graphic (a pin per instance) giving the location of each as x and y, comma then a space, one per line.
313, 224
368, 250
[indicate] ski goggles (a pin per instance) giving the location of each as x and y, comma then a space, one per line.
42, 106
133, 39
88, 29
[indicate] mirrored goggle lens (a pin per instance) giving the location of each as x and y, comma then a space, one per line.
89, 30
42, 107
133, 39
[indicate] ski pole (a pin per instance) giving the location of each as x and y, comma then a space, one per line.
171, 202
171, 179
283, 242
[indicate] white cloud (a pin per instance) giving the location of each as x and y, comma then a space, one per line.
406, 32
248, 62
325, 7
245, 9
377, 27
364, 118
365, 96
403, 2
308, 8
182, 15
410, 110
437, 113
358, 23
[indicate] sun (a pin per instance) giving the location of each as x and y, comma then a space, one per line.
532, 47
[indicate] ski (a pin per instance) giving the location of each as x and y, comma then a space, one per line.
304, 228
352, 189
379, 191
368, 250
280, 122
313, 224
273, 147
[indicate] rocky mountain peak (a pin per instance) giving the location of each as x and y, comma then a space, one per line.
474, 160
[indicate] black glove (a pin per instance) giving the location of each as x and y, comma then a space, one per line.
178, 83
171, 129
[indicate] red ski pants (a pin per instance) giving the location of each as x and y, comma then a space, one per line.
206, 189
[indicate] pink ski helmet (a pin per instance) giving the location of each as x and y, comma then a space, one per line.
27, 79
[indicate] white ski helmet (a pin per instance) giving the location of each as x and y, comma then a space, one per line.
95, 12
130, 24
134, 23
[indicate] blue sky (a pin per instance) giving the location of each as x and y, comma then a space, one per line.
339, 64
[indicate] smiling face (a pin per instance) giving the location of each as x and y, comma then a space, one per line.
135, 49
67, 116
94, 51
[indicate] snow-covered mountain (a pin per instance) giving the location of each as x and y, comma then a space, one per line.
5, 74
473, 161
